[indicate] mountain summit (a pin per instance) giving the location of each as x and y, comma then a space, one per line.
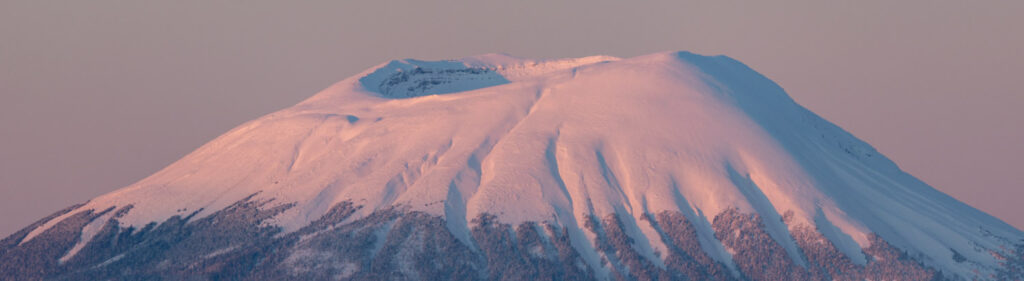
669, 166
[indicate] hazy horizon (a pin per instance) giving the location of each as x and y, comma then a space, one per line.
95, 96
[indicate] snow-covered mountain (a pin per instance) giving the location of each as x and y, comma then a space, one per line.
669, 166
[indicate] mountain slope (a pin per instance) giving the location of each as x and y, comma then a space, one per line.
670, 165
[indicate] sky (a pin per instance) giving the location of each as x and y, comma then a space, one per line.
95, 95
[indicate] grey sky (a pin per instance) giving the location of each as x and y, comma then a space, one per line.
95, 95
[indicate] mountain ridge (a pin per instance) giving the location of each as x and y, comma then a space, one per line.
592, 147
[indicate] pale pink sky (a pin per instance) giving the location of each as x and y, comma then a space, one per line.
95, 95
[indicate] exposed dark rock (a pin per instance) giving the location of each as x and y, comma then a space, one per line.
608, 256
685, 253
957, 257
1013, 264
890, 263
639, 268
825, 261
397, 244
417, 81
756, 254
13, 240
208, 248
420, 247
39, 257
525, 254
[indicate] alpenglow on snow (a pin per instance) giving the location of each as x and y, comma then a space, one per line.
669, 166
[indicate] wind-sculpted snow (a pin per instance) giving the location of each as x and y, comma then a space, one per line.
665, 166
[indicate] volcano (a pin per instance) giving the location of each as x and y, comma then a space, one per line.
668, 166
